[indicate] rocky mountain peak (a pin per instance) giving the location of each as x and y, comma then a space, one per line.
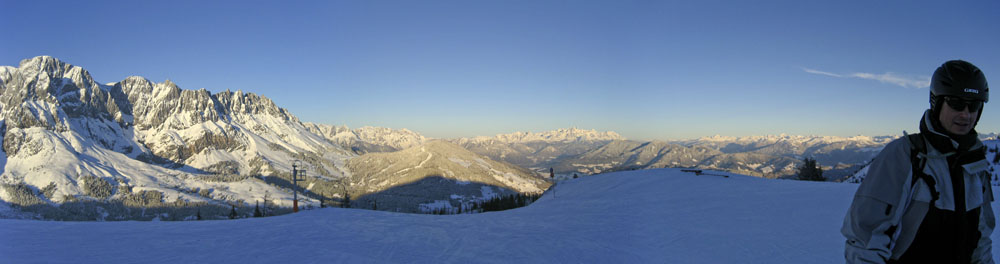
166, 90
43, 91
42, 63
240, 102
39, 72
134, 87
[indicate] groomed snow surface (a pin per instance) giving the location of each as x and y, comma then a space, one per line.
650, 216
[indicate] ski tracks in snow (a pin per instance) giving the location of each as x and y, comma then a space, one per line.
421, 165
429, 156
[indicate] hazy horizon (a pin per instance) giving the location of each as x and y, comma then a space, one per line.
448, 69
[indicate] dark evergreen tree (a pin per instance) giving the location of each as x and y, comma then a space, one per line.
500, 203
232, 214
575, 176
810, 171
256, 210
198, 216
347, 201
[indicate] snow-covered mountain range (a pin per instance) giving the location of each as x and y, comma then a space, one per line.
60, 126
839, 156
68, 139
538, 151
589, 152
368, 139
559, 135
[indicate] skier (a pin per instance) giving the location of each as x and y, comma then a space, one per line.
927, 196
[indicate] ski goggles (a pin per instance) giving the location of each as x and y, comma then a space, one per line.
959, 104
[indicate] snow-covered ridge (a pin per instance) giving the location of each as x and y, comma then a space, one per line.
368, 139
798, 139
402, 138
559, 135
766, 156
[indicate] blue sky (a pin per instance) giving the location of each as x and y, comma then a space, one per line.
645, 69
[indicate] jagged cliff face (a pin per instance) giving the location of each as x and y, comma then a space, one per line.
48, 94
167, 106
44, 92
161, 121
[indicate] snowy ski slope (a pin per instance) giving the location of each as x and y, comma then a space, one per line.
649, 216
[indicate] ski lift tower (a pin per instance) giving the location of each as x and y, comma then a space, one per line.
297, 175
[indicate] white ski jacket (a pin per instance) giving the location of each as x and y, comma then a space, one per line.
889, 207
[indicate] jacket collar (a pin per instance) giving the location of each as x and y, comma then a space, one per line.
944, 141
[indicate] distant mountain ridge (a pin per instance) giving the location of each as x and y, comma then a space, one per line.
748, 143
368, 139
764, 156
559, 135
578, 151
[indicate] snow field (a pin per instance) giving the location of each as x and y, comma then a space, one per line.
649, 216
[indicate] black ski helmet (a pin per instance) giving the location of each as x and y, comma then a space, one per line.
958, 78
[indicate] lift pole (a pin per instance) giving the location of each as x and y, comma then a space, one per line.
295, 184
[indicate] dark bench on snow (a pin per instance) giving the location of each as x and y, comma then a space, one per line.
699, 173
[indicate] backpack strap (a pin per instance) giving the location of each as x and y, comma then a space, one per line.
918, 160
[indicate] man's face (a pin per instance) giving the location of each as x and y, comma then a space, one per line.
957, 122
